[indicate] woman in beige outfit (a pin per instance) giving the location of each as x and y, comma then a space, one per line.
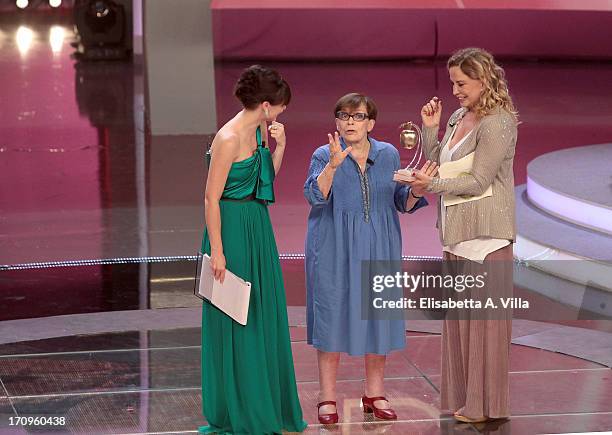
477, 235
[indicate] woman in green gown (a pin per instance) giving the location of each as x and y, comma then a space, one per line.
248, 379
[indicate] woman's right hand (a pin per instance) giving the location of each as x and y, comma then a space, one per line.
336, 155
431, 113
217, 262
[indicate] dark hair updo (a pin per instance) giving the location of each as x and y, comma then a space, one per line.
258, 84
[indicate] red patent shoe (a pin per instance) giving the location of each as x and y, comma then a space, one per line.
382, 414
328, 418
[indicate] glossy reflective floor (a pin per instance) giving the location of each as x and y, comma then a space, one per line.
129, 362
148, 382
33, 293
80, 178
101, 288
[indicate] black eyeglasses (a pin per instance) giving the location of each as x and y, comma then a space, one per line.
358, 117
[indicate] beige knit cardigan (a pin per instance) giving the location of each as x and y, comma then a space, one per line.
493, 142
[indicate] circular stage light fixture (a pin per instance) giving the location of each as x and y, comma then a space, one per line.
101, 9
101, 29
55, 3
22, 4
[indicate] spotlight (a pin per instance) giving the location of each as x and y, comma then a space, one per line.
55, 3
100, 8
22, 4
102, 29
24, 37
56, 38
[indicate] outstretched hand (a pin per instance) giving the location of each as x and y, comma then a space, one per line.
423, 178
336, 155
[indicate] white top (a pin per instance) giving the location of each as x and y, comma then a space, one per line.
475, 249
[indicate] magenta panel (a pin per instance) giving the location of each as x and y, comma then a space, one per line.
390, 29
527, 33
322, 33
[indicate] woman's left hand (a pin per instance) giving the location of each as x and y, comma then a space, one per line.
277, 131
423, 178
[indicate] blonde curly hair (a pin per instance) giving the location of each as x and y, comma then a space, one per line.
479, 64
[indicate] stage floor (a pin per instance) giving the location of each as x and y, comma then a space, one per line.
116, 348
148, 381
80, 179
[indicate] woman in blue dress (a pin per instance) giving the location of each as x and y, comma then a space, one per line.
354, 218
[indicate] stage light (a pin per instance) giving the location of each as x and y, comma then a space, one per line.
22, 4
101, 9
102, 29
56, 38
55, 3
24, 38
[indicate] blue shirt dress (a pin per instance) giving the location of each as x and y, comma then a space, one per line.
357, 222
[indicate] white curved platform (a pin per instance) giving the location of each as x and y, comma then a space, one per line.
574, 185
560, 248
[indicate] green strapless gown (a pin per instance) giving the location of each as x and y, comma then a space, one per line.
248, 379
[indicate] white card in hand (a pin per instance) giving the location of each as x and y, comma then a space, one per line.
231, 297
458, 168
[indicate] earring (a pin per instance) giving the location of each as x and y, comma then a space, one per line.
267, 112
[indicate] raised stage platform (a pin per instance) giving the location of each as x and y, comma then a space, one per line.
574, 185
564, 219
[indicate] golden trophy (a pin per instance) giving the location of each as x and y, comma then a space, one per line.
410, 137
